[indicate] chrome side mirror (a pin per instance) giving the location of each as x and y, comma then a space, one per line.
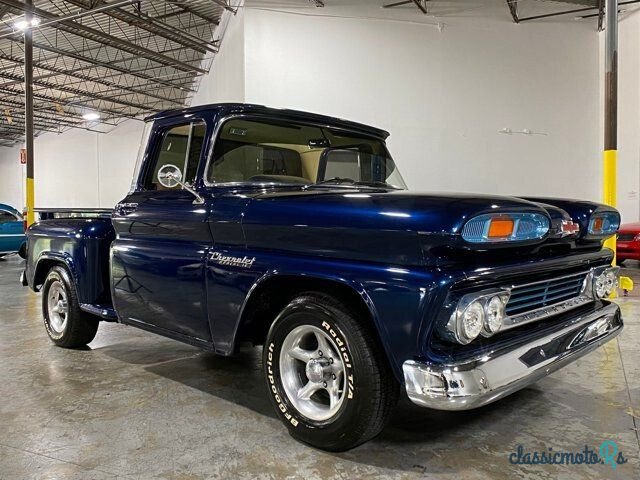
170, 176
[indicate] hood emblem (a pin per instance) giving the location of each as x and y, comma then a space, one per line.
228, 260
569, 227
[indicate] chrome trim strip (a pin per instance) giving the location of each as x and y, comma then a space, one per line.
544, 312
473, 383
513, 287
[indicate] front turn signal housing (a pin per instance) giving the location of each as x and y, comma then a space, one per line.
505, 227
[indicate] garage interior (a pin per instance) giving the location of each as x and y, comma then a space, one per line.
480, 96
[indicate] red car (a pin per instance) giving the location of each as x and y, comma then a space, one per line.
628, 243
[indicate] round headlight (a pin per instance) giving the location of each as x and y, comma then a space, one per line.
601, 285
611, 282
471, 321
494, 314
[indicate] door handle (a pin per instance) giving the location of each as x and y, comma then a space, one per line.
126, 208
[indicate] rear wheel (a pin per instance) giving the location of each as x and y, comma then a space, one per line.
23, 250
66, 325
328, 376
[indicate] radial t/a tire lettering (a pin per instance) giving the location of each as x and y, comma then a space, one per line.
327, 374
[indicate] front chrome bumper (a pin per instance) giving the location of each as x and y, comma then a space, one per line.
477, 382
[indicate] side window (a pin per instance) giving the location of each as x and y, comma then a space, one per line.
7, 217
181, 146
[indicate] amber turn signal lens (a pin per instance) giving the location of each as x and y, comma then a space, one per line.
500, 228
597, 224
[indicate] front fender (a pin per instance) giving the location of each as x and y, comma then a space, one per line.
396, 298
352, 285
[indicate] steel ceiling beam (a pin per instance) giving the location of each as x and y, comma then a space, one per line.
575, 10
123, 62
42, 113
84, 31
423, 8
71, 90
147, 23
121, 70
513, 9
600, 15
93, 11
61, 101
417, 3
95, 62
184, 8
85, 78
225, 5
397, 4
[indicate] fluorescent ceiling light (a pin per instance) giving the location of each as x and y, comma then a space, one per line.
91, 116
23, 24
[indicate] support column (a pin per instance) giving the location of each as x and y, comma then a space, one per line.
28, 107
610, 157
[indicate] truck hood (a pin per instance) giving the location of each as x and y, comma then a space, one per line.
394, 227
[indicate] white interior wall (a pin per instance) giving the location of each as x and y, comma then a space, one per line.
226, 80
11, 177
445, 95
75, 169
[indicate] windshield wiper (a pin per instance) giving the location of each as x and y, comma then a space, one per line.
337, 180
374, 183
351, 181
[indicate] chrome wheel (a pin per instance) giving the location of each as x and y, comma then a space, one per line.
312, 373
58, 307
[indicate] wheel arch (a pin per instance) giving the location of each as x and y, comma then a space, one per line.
46, 262
273, 291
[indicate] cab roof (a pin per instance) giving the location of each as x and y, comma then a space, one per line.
293, 115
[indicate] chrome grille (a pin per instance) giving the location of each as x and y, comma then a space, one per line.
533, 296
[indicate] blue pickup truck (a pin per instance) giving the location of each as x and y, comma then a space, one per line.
295, 231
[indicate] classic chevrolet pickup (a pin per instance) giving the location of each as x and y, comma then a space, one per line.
294, 231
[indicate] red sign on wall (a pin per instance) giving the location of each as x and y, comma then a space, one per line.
23, 156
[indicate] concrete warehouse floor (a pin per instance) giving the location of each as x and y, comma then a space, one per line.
136, 405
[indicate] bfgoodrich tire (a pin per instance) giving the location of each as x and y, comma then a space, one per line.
66, 325
327, 375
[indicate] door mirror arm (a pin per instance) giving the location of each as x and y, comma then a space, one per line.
189, 188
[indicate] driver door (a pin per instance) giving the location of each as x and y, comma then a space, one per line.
162, 240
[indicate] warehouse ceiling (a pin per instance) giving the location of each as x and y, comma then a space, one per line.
426, 11
112, 59
118, 59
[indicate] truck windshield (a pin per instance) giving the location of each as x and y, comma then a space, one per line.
270, 151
